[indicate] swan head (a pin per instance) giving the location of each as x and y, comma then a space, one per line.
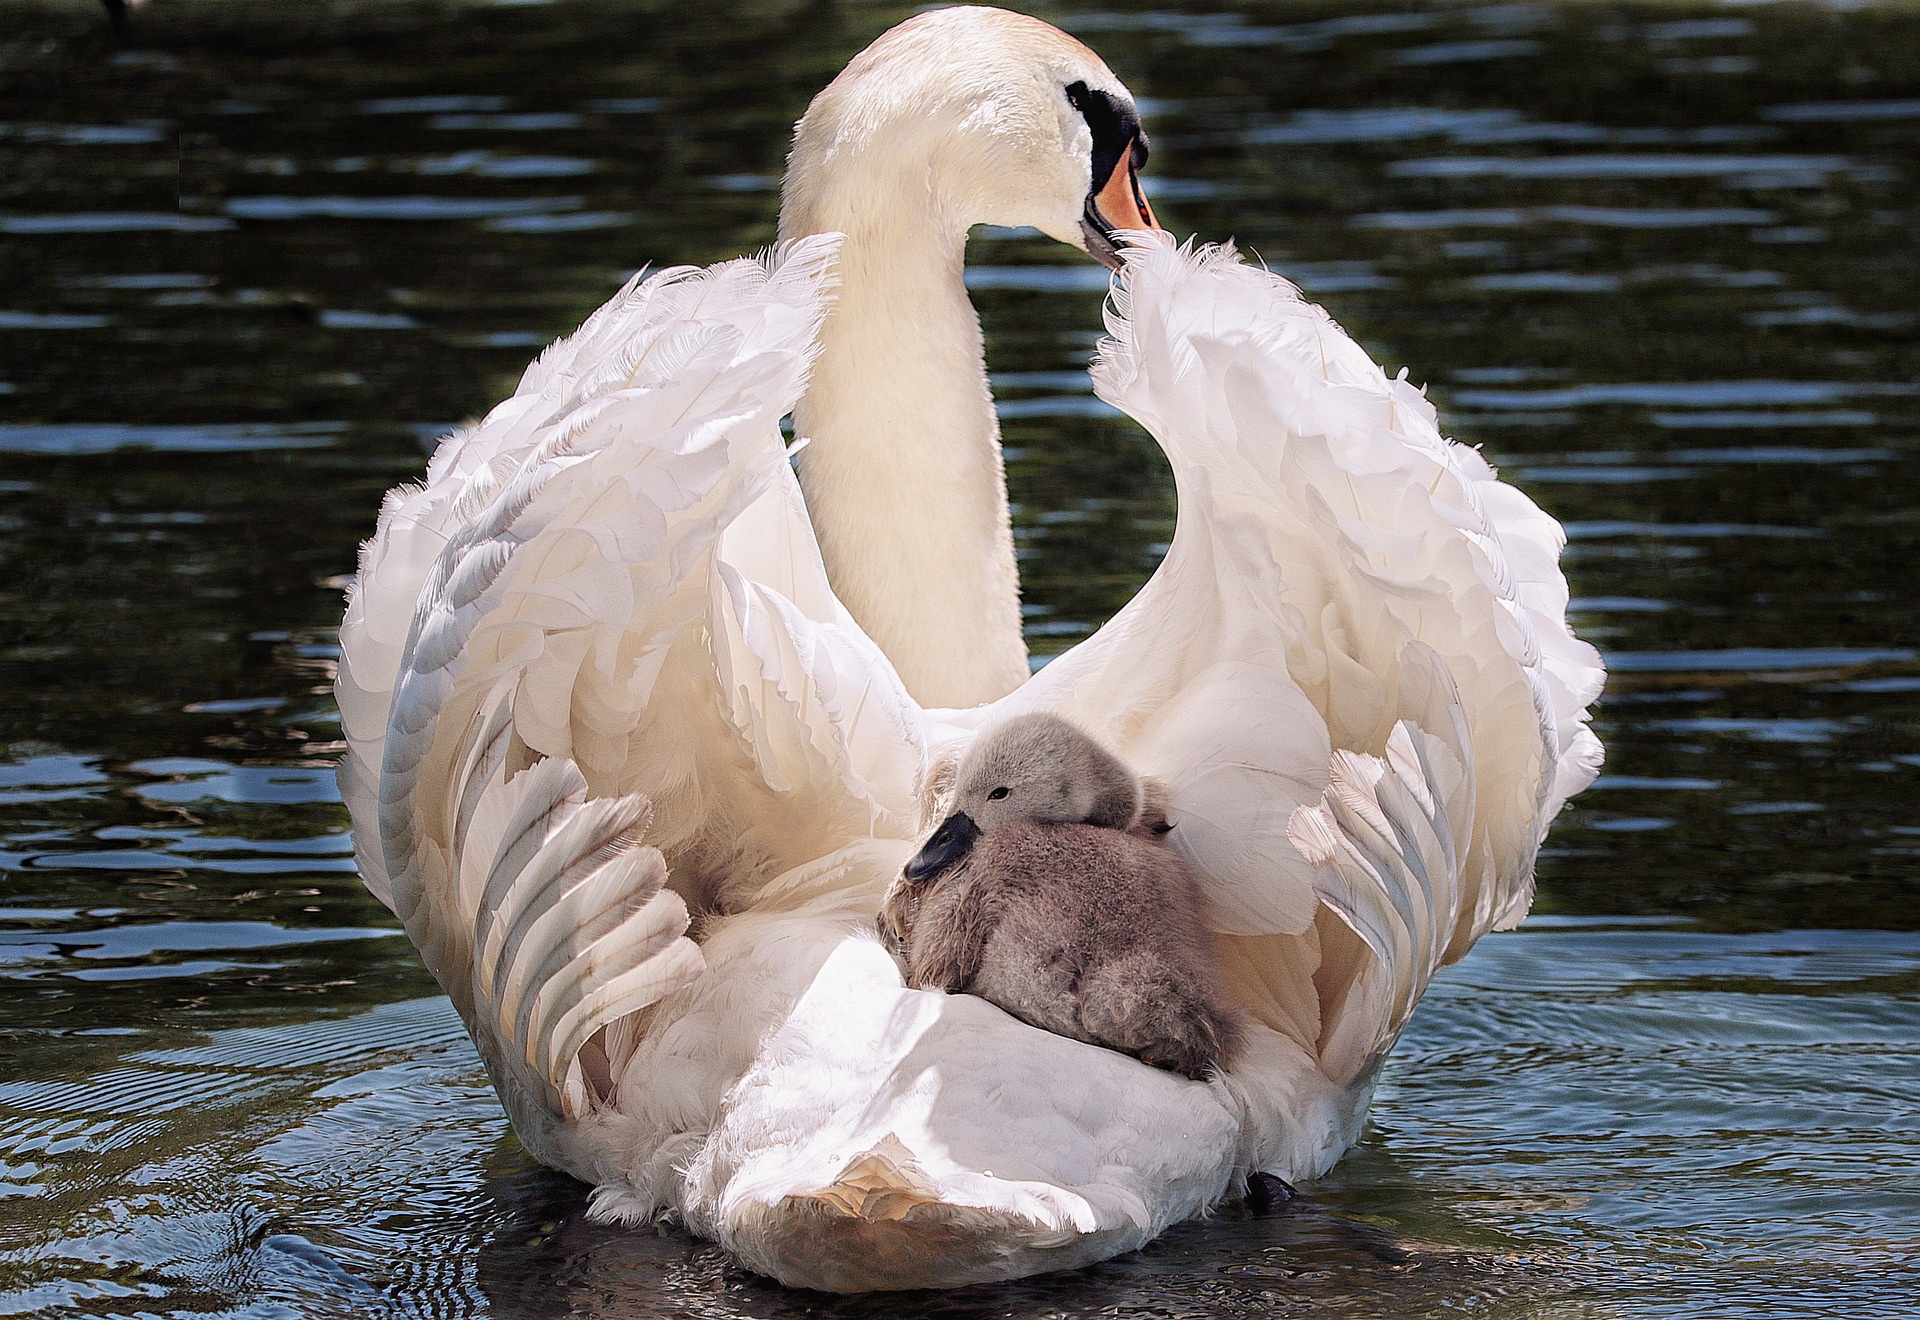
970, 116
1033, 768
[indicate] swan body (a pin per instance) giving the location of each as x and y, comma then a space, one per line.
639, 733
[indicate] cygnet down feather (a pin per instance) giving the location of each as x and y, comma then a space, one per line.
1048, 892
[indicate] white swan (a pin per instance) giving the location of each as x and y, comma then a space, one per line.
605, 618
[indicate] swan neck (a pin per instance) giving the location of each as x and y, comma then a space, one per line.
902, 469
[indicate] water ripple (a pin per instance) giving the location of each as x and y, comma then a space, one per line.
85, 438
1788, 169
1754, 659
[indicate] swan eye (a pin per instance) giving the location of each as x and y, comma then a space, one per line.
997, 794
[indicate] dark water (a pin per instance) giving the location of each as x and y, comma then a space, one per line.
1660, 261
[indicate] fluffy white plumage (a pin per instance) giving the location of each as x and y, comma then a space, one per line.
635, 779
593, 674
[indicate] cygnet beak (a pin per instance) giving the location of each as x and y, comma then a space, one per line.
948, 845
1115, 205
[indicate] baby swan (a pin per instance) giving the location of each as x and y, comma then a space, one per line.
1047, 891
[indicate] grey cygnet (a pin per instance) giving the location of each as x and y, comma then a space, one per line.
1049, 892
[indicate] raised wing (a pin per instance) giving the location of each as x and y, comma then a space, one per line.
1353, 667
603, 614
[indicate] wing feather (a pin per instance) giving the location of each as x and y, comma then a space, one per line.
1380, 622
548, 656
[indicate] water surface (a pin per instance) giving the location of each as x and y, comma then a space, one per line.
1657, 260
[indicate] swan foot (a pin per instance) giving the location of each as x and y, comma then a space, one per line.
1266, 1193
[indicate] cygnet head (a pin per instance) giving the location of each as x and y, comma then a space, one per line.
968, 116
1033, 768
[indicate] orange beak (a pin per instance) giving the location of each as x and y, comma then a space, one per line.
1116, 205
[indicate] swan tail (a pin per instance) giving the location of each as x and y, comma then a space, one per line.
887, 1138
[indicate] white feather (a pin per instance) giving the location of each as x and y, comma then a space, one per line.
594, 678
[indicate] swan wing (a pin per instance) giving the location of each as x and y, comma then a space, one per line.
601, 617
1353, 669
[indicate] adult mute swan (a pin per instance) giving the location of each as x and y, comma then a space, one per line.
636, 744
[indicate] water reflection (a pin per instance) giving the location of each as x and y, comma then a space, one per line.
1657, 258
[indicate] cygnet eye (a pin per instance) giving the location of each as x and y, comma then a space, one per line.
997, 794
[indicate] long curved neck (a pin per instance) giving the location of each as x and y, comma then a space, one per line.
902, 469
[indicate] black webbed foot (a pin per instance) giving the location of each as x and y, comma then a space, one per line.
1266, 1193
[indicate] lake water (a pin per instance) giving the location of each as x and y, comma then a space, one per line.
1659, 260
